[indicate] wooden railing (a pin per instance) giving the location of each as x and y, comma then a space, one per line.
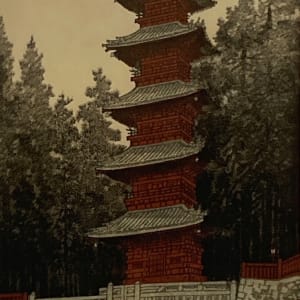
259, 270
291, 266
14, 296
281, 269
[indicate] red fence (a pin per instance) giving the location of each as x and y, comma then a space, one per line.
291, 266
14, 296
281, 269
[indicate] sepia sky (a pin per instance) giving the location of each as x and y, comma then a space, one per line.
70, 32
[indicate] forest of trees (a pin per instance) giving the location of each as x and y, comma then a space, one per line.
50, 195
251, 129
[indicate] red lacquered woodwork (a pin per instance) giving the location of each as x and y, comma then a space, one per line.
173, 255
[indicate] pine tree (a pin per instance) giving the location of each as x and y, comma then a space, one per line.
82, 200
49, 190
34, 129
7, 106
8, 110
29, 170
97, 138
6, 60
251, 123
67, 201
104, 196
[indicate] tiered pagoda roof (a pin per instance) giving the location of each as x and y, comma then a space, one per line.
153, 93
151, 34
149, 220
137, 6
137, 156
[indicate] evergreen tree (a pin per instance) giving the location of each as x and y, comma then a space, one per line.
251, 127
68, 200
50, 195
28, 171
8, 110
6, 61
7, 106
82, 201
97, 142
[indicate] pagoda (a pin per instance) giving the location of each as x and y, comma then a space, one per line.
159, 233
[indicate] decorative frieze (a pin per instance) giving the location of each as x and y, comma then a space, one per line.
219, 290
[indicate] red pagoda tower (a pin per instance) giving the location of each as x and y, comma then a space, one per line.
160, 231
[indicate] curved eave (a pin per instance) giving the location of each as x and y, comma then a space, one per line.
157, 156
131, 5
149, 220
140, 232
123, 42
137, 7
125, 103
142, 164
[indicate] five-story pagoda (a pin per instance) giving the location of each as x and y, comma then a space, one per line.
159, 232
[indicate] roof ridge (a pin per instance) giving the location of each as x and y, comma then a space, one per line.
181, 141
164, 83
182, 25
160, 83
182, 205
132, 212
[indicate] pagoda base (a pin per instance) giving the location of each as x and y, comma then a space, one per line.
162, 257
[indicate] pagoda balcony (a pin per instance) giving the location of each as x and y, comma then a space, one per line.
162, 198
161, 136
163, 76
159, 19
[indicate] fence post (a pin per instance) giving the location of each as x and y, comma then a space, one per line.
110, 291
279, 267
233, 290
243, 270
123, 292
32, 296
137, 290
